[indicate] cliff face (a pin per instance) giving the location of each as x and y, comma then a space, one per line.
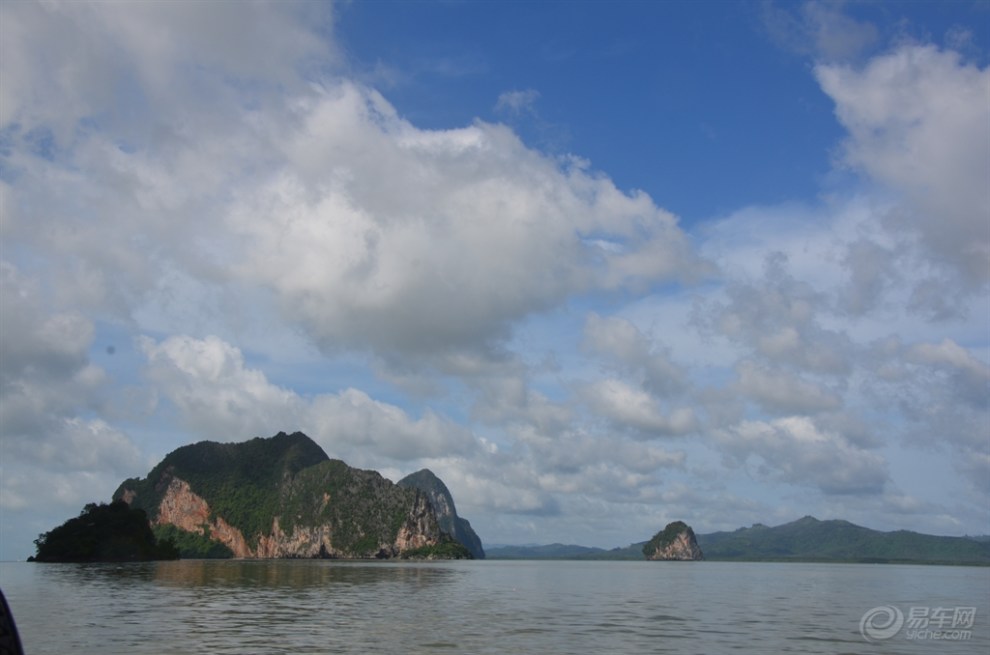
674, 542
283, 497
187, 511
443, 504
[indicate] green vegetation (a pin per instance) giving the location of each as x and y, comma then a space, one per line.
363, 510
809, 539
446, 549
805, 540
664, 538
104, 533
239, 481
291, 479
192, 545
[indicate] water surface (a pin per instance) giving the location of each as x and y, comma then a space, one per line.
320, 606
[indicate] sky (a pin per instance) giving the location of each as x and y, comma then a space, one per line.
599, 266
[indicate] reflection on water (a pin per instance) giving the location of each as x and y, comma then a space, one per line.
231, 606
306, 606
279, 574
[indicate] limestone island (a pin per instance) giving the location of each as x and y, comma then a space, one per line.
675, 542
280, 497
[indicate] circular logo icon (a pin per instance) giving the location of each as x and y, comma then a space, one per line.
881, 623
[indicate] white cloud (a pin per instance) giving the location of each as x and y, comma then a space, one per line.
970, 375
217, 395
795, 450
379, 235
820, 29
622, 342
943, 392
369, 232
46, 378
517, 102
541, 457
52, 447
65, 61
919, 121
508, 400
629, 408
781, 392
466, 302
362, 430
871, 273
779, 318
221, 398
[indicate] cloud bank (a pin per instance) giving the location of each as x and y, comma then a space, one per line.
275, 247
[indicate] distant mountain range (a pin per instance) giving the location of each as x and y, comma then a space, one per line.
806, 539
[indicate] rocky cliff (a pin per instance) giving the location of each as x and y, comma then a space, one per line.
283, 497
674, 542
443, 504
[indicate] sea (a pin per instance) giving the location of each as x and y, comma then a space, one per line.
496, 606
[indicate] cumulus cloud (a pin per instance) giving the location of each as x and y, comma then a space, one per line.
941, 391
221, 398
625, 346
46, 369
98, 61
918, 122
46, 373
828, 332
630, 408
871, 273
498, 484
367, 231
795, 450
781, 392
380, 235
165, 175
969, 377
505, 400
216, 394
53, 445
778, 318
370, 429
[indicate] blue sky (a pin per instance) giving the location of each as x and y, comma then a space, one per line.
600, 266
656, 94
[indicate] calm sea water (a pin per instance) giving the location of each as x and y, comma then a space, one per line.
246, 607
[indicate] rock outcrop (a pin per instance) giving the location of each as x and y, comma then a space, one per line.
283, 498
443, 504
187, 511
675, 542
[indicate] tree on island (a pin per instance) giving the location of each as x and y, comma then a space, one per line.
104, 533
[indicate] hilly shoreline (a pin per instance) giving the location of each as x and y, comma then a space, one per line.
804, 540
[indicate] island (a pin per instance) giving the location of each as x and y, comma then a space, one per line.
284, 497
675, 542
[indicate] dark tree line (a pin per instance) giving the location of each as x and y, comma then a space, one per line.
104, 533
